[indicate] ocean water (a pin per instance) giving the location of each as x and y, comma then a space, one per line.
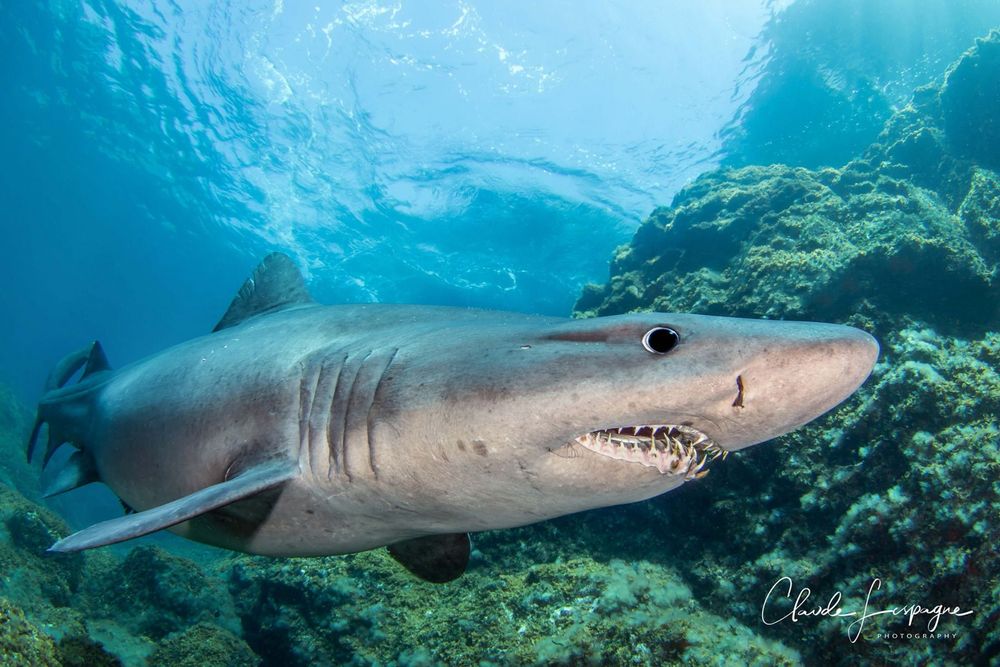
779, 159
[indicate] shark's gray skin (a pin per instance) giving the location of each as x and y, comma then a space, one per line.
299, 429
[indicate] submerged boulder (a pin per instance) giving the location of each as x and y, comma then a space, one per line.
783, 242
154, 593
28, 576
82, 651
97, 609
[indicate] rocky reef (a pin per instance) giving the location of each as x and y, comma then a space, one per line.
902, 482
907, 231
93, 609
365, 610
822, 96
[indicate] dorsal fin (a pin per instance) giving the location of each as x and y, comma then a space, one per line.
275, 284
97, 361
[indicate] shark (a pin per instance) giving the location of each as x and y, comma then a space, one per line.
300, 429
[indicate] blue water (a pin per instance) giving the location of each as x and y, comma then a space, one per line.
452, 154
464, 153
458, 153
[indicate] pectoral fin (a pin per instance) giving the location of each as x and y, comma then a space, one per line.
249, 483
434, 558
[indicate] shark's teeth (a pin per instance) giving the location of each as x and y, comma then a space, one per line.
671, 449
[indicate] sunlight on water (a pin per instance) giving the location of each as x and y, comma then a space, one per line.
349, 132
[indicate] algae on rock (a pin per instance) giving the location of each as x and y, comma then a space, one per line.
203, 645
101, 610
364, 610
21, 643
908, 229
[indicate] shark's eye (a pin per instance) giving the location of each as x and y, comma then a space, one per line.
660, 340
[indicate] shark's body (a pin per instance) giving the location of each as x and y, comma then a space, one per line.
300, 429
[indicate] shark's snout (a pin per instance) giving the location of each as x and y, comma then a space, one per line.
795, 378
862, 348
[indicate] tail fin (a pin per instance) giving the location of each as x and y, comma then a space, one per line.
68, 411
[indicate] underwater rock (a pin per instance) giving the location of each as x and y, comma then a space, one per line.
21, 643
820, 96
15, 425
154, 593
28, 576
100, 610
50, 590
970, 98
82, 651
909, 229
203, 645
980, 210
361, 609
900, 482
788, 242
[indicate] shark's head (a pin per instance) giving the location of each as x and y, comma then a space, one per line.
730, 382
597, 412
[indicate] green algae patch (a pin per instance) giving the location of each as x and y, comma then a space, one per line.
363, 609
153, 593
21, 643
203, 645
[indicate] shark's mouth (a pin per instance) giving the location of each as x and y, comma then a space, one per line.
673, 450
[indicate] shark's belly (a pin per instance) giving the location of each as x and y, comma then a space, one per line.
299, 522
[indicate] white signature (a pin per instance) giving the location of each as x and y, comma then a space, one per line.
833, 609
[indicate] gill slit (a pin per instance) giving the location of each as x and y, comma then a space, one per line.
347, 413
334, 463
307, 404
371, 409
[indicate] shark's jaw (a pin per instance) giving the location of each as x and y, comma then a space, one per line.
672, 449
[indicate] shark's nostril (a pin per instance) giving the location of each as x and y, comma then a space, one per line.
738, 401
